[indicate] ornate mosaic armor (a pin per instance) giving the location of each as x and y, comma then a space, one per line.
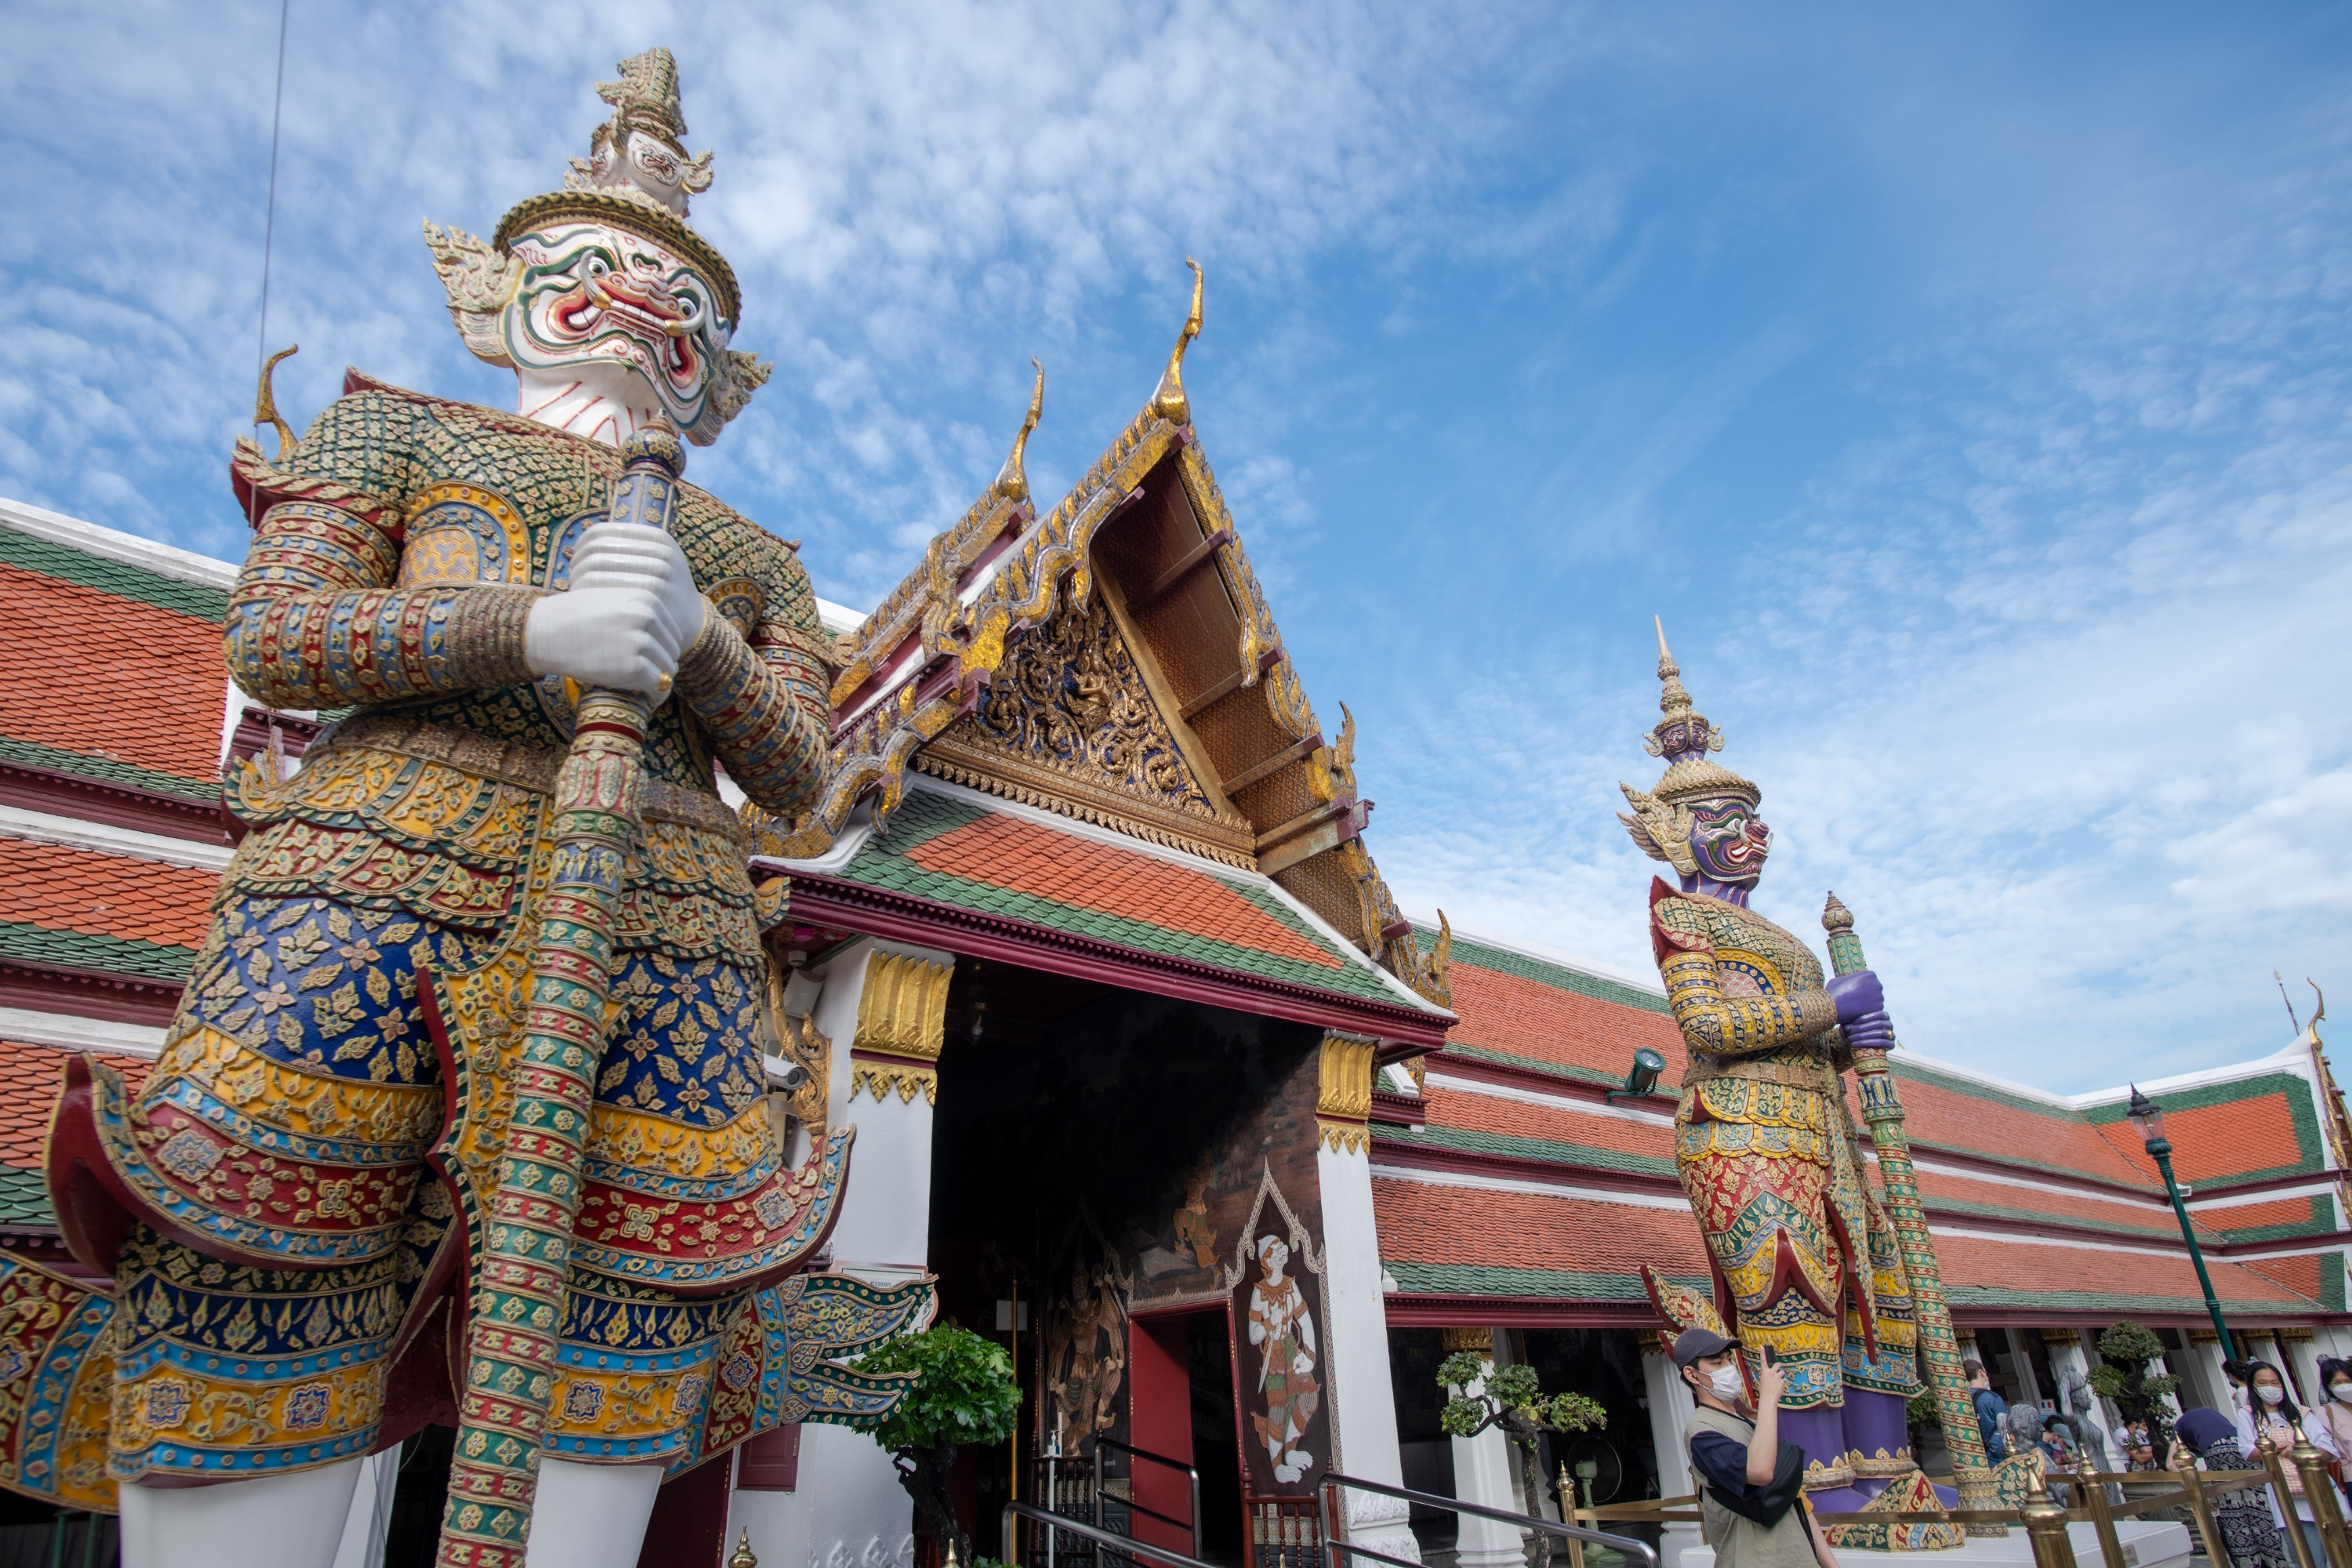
1804, 1259
1765, 1148
264, 1202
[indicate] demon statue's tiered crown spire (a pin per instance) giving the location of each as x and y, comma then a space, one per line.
640, 153
606, 304
1661, 819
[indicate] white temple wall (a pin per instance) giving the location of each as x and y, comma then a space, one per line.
847, 1508
1363, 1396
1671, 1404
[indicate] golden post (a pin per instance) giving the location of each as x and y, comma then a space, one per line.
2267, 1451
2319, 1490
2094, 1499
2193, 1482
2045, 1522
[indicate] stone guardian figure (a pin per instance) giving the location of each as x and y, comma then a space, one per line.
292, 1278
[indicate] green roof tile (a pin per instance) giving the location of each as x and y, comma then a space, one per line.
109, 954
67, 564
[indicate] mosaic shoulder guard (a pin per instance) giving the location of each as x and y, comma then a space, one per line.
1682, 1308
1737, 984
57, 1384
787, 1358
400, 544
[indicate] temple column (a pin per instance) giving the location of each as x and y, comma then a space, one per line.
2201, 1372
1671, 1404
2295, 1347
1356, 1358
888, 1001
1482, 1475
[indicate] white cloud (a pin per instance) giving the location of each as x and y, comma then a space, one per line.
2043, 670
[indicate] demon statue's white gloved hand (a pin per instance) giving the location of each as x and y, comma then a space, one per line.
631, 610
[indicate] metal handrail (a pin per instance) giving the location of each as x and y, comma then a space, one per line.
1126, 1545
1191, 1476
1642, 1550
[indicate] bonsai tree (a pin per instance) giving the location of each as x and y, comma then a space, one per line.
963, 1396
1478, 1396
2128, 1350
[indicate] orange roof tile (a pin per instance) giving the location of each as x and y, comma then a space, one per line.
30, 1077
1023, 857
1520, 1016
1466, 1109
65, 889
102, 676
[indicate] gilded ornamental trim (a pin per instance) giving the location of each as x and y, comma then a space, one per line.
901, 1026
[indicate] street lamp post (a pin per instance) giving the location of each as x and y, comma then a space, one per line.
2148, 1118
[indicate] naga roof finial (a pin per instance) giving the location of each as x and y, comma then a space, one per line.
1012, 480
1169, 401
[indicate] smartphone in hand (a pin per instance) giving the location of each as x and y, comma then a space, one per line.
1771, 1357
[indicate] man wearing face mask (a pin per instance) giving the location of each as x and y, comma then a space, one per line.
1750, 1483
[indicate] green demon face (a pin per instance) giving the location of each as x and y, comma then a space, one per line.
1728, 842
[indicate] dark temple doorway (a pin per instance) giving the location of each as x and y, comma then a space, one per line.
1071, 1115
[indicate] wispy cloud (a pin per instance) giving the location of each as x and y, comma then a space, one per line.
1969, 395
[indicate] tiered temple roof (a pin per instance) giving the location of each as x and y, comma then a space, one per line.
1513, 1189
1075, 742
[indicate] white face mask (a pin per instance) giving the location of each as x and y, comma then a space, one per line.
2271, 1395
1726, 1382
2342, 1391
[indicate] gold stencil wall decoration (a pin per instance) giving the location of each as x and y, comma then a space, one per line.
901, 1025
1343, 1102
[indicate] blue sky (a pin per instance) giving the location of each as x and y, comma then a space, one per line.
1967, 387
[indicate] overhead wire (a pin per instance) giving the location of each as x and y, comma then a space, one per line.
269, 239
269, 210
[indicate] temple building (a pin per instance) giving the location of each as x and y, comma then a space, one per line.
1087, 941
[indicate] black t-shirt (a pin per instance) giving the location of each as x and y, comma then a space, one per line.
1724, 1463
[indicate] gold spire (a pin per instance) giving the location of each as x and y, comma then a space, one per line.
1170, 402
1012, 480
1673, 703
1684, 737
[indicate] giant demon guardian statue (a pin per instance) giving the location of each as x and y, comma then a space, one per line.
462, 1116
1803, 1258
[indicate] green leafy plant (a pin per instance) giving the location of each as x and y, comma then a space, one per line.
2128, 1351
963, 1396
1478, 1396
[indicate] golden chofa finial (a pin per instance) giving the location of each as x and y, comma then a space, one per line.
744, 1557
1012, 480
1170, 402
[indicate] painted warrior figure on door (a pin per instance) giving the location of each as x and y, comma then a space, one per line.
1283, 1330
1804, 1259
449, 575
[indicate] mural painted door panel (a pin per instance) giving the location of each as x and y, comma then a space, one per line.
1160, 1421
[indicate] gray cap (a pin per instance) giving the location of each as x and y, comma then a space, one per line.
1695, 1345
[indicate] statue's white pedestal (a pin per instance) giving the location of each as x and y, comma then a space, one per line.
2146, 1544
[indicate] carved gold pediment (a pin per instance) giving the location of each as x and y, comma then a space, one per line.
1070, 723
